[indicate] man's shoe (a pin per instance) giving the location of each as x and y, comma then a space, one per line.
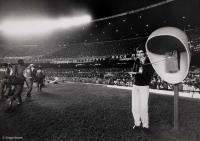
136, 129
147, 131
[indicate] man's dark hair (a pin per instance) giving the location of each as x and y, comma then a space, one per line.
141, 47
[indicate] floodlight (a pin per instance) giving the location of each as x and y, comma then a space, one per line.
40, 26
74, 21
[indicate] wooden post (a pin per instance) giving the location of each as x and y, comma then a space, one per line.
176, 100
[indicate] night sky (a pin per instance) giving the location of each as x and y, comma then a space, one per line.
55, 8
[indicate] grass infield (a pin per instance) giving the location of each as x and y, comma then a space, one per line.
80, 112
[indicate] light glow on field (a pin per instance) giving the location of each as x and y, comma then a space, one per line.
40, 26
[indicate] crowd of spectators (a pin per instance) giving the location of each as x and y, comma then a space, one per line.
118, 76
98, 53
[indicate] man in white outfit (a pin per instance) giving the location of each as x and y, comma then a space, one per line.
143, 73
29, 76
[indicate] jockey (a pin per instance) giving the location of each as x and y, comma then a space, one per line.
29, 76
17, 81
40, 78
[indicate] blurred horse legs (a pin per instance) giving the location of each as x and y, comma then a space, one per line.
29, 83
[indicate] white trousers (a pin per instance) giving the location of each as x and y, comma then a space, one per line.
140, 96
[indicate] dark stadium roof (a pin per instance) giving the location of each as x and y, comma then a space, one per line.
146, 16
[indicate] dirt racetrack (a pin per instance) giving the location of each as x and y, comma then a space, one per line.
82, 112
